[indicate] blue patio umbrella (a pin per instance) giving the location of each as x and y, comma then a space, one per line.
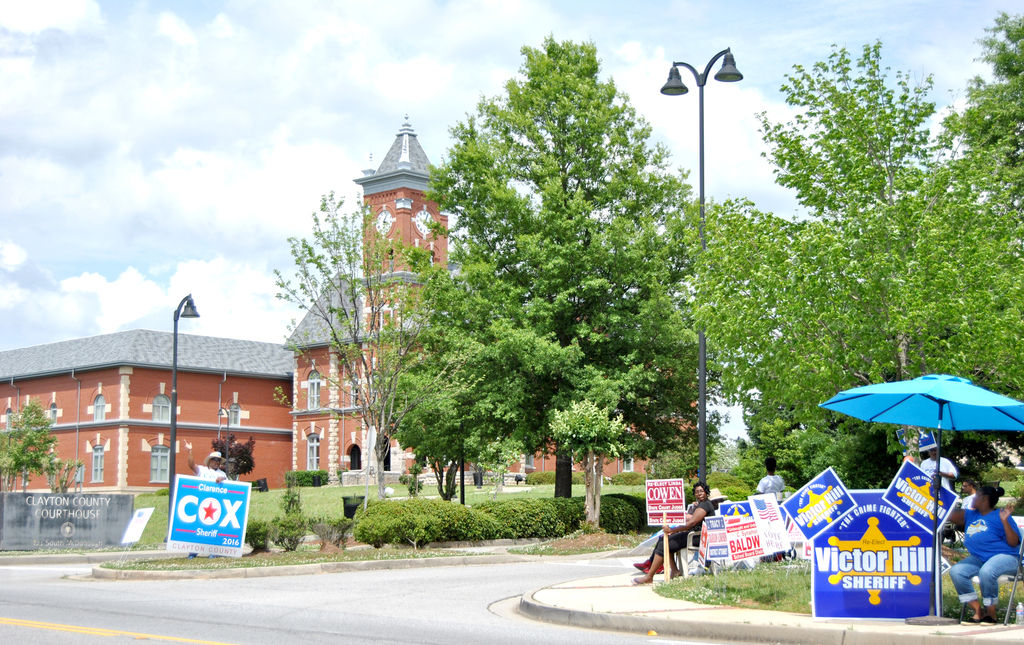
937, 401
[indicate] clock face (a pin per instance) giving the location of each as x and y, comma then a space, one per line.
422, 222
384, 221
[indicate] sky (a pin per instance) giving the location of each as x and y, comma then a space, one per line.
150, 150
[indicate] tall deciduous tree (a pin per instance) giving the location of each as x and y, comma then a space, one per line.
362, 293
896, 272
561, 206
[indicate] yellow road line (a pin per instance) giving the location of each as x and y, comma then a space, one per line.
99, 631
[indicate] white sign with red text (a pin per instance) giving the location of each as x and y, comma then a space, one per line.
666, 498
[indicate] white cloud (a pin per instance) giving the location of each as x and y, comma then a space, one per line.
11, 255
66, 15
176, 29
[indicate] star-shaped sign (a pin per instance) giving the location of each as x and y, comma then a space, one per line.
209, 511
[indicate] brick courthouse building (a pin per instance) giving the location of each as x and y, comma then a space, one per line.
109, 396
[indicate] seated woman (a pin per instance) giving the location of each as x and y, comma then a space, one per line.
992, 539
677, 536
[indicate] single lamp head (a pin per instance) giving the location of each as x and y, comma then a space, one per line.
728, 73
674, 86
189, 311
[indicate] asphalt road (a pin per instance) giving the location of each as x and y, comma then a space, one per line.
440, 605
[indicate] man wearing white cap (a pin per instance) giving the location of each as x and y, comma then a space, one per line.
210, 468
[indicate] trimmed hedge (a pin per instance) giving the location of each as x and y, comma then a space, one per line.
305, 477
420, 521
620, 515
257, 534
529, 517
548, 477
629, 479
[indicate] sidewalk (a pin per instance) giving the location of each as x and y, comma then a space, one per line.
613, 602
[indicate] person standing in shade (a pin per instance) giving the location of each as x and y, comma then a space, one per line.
770, 483
969, 489
947, 471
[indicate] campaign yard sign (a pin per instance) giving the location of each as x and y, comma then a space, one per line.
770, 522
714, 542
208, 517
819, 504
911, 493
668, 497
872, 563
744, 539
735, 509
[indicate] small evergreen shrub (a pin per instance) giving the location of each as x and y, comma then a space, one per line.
288, 531
305, 477
637, 501
401, 522
619, 515
570, 513
257, 534
525, 518
541, 479
628, 479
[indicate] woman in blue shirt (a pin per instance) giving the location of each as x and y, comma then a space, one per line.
992, 539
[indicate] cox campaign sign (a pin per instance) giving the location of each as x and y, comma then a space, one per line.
872, 563
821, 502
208, 517
668, 497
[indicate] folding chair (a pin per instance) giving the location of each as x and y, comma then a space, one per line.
1017, 576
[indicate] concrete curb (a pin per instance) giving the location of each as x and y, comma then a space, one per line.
303, 569
696, 628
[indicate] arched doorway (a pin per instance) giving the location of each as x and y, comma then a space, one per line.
355, 459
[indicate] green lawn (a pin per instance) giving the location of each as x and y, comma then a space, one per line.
326, 501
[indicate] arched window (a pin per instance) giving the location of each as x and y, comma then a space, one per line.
355, 458
99, 408
314, 390
159, 464
97, 463
627, 464
161, 409
313, 452
53, 413
7, 419
234, 415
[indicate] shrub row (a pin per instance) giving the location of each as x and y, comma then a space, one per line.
547, 478
420, 521
629, 479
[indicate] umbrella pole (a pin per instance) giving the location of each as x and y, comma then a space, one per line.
935, 616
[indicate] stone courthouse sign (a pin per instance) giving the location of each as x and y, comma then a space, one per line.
31, 521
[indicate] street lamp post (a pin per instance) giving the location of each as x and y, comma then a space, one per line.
186, 309
674, 87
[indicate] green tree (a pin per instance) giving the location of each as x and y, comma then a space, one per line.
591, 435
893, 273
567, 273
26, 447
362, 295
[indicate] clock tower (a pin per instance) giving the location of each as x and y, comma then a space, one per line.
395, 192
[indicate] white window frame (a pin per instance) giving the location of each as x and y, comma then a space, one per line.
234, 415
97, 463
627, 464
159, 464
53, 413
99, 408
161, 403
313, 452
313, 398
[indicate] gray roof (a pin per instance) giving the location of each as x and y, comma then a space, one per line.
404, 165
145, 348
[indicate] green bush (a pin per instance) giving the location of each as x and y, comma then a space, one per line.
305, 477
731, 486
570, 513
420, 521
1001, 474
639, 504
526, 517
619, 515
162, 492
545, 478
628, 479
257, 534
288, 531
